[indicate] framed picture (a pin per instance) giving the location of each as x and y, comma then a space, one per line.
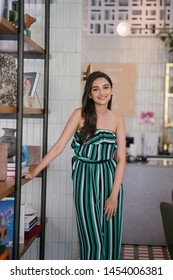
31, 82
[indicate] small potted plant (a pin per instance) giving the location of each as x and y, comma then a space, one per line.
168, 41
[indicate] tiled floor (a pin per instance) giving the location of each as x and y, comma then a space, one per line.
141, 252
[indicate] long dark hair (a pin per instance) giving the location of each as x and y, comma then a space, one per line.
88, 106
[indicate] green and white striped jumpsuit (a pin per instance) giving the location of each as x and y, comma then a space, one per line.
93, 170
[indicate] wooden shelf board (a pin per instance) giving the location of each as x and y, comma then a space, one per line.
33, 111
37, 1
23, 247
169, 125
6, 27
169, 64
9, 32
7, 187
10, 112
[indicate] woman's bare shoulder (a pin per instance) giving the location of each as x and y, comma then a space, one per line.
118, 120
117, 117
77, 115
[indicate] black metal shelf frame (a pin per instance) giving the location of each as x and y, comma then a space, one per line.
19, 126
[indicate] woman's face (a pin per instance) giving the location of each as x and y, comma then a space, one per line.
101, 91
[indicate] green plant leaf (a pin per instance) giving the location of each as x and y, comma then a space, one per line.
162, 38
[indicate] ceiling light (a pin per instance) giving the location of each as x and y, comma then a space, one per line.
124, 29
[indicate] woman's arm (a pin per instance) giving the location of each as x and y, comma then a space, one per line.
59, 146
120, 157
111, 202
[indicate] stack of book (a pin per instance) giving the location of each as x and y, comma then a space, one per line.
30, 222
31, 227
11, 168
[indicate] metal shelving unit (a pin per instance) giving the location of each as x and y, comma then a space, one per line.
8, 32
168, 105
26, 48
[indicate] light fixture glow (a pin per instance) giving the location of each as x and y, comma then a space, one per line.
123, 29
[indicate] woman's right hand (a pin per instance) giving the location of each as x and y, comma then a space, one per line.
27, 175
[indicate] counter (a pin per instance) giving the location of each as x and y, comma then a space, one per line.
160, 162
145, 186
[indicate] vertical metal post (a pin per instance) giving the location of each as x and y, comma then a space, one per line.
19, 126
45, 126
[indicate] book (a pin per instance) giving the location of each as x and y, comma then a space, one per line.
36, 230
31, 79
30, 221
30, 227
11, 168
12, 172
12, 165
4, 255
7, 221
2, 248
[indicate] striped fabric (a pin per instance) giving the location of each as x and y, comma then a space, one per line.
93, 168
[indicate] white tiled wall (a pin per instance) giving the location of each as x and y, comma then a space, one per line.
71, 49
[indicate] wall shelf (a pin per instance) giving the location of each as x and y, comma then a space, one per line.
23, 247
9, 32
7, 186
36, 1
168, 113
6, 189
12, 43
169, 125
7, 112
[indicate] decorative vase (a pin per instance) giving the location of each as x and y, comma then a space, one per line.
10, 139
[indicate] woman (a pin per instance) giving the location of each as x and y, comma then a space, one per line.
97, 169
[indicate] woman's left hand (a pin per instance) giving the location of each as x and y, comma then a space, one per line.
110, 207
